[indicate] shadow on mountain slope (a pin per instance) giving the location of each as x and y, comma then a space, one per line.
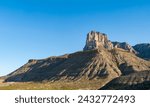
134, 81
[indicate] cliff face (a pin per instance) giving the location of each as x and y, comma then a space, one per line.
96, 40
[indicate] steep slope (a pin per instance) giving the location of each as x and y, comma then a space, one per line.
129, 62
134, 81
143, 50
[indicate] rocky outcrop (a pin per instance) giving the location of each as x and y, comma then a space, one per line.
96, 39
143, 50
124, 46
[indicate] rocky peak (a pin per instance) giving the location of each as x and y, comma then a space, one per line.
124, 46
95, 40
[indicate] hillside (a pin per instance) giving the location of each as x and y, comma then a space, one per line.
134, 81
143, 50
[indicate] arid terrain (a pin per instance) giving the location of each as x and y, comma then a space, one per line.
58, 85
100, 63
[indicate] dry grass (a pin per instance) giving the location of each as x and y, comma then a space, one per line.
76, 85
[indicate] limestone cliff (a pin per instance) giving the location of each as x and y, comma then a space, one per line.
96, 39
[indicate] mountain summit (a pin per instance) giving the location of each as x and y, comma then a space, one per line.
101, 61
96, 40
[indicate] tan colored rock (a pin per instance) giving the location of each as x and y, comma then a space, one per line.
124, 46
96, 40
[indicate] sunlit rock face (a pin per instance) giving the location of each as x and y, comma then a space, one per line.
124, 46
95, 40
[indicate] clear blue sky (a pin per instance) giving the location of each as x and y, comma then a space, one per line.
34, 29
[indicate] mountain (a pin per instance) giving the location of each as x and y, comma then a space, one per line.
86, 65
143, 50
134, 81
101, 60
